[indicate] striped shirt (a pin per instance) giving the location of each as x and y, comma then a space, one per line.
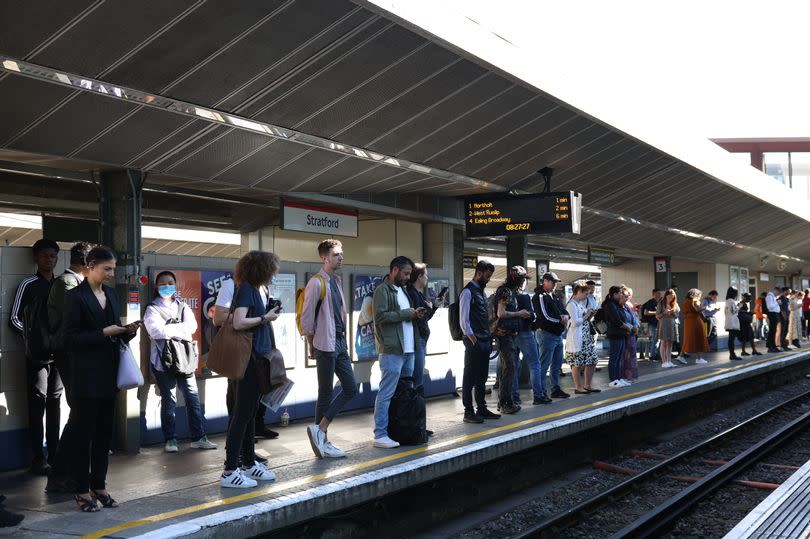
35, 286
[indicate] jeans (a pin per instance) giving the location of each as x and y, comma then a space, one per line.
420, 349
393, 368
166, 382
44, 395
476, 371
91, 421
242, 426
551, 357
653, 348
329, 365
528, 348
617, 345
508, 348
773, 321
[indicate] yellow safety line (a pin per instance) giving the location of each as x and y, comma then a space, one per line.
400, 455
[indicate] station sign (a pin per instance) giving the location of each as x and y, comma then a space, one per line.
513, 215
470, 260
318, 220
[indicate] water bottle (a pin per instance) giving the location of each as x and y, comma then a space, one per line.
285, 418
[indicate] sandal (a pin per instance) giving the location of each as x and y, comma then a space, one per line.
581, 391
591, 390
105, 499
85, 505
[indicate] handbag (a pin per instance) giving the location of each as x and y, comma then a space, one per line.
179, 355
230, 350
270, 371
129, 373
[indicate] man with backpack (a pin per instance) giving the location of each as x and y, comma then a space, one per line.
29, 318
70, 279
323, 323
474, 321
552, 320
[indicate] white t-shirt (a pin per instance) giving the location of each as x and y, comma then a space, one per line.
226, 292
407, 327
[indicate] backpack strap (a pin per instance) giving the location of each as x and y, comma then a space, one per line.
321, 296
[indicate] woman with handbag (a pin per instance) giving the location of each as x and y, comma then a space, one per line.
171, 324
93, 340
253, 271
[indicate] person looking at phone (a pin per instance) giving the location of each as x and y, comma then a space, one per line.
709, 308
395, 338
93, 335
169, 318
324, 325
474, 321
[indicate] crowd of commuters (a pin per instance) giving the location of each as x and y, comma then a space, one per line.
84, 334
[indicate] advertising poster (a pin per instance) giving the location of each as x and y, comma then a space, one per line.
283, 288
363, 316
211, 281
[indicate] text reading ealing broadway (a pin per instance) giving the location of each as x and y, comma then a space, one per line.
485, 213
326, 222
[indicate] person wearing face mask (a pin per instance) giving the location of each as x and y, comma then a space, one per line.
168, 318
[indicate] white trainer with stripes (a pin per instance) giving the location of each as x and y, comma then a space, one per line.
259, 472
236, 479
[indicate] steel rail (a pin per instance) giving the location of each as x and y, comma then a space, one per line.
544, 528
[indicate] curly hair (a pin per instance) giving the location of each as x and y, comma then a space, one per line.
256, 268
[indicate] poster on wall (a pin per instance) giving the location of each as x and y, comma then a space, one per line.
363, 316
439, 341
211, 281
283, 288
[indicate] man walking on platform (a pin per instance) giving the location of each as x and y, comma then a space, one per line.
395, 340
474, 321
552, 319
323, 320
29, 319
773, 312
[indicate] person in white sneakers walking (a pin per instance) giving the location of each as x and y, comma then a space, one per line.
323, 321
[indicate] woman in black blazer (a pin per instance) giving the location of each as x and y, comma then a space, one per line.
93, 335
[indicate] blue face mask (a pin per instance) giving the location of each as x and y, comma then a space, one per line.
167, 290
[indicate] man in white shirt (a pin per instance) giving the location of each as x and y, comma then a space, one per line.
772, 311
394, 336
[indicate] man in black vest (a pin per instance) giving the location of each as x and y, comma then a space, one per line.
474, 322
44, 384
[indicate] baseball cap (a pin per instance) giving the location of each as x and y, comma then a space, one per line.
551, 276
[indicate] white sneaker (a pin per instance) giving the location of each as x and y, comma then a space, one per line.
624, 382
317, 438
236, 479
700, 361
668, 365
259, 472
171, 446
331, 451
203, 443
385, 443
615, 383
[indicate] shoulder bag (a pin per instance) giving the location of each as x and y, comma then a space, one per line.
179, 355
231, 349
129, 373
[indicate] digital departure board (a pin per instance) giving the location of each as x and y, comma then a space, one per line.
508, 215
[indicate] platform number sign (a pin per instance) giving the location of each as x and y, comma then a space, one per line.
660, 265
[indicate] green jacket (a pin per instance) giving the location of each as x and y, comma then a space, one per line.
388, 318
56, 299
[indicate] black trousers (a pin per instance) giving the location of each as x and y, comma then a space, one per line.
732, 335
91, 423
784, 320
63, 458
44, 396
242, 422
773, 321
805, 323
508, 349
476, 371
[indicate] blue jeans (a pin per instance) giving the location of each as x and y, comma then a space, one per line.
420, 349
551, 357
166, 382
392, 368
617, 345
653, 340
330, 364
528, 348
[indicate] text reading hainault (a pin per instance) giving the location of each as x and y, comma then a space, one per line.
322, 221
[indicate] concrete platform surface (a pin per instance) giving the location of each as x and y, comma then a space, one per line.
173, 495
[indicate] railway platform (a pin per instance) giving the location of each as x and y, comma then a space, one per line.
178, 495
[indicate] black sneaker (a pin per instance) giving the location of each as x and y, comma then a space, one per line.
517, 400
264, 432
542, 400
559, 394
470, 417
9, 519
487, 414
55, 484
511, 409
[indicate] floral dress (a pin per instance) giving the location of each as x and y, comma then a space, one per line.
587, 353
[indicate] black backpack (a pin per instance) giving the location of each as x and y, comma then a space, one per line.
454, 322
599, 322
406, 415
36, 336
178, 356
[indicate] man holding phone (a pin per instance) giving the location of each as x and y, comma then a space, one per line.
323, 320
